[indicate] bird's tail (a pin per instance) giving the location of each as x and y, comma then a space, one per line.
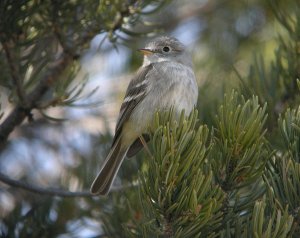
109, 170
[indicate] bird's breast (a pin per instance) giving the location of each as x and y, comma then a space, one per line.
169, 86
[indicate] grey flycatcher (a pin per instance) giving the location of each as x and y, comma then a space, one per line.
166, 79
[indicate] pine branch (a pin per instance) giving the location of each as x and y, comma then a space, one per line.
50, 191
240, 149
282, 176
71, 51
275, 82
178, 190
276, 223
19, 113
42, 191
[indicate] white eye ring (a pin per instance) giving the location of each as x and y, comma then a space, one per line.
166, 49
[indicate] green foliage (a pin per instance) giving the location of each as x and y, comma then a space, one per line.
119, 215
276, 82
272, 223
265, 220
283, 174
177, 191
289, 126
235, 172
38, 35
199, 184
35, 221
41, 43
238, 160
241, 155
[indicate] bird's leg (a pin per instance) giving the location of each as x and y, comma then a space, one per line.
144, 143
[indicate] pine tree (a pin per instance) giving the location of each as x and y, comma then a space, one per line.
230, 169
239, 178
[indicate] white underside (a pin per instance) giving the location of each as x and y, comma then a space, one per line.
172, 84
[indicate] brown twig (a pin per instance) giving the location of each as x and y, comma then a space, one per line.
168, 228
43, 191
50, 191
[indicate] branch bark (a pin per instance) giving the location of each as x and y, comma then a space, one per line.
43, 191
51, 191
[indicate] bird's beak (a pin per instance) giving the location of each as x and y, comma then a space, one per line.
146, 51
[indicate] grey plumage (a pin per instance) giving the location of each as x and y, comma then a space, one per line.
109, 170
165, 79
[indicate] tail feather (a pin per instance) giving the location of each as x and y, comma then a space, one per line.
109, 170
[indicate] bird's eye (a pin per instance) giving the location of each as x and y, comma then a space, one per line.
166, 49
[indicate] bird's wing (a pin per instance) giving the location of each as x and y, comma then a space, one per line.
136, 92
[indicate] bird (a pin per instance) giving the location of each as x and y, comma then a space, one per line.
165, 80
